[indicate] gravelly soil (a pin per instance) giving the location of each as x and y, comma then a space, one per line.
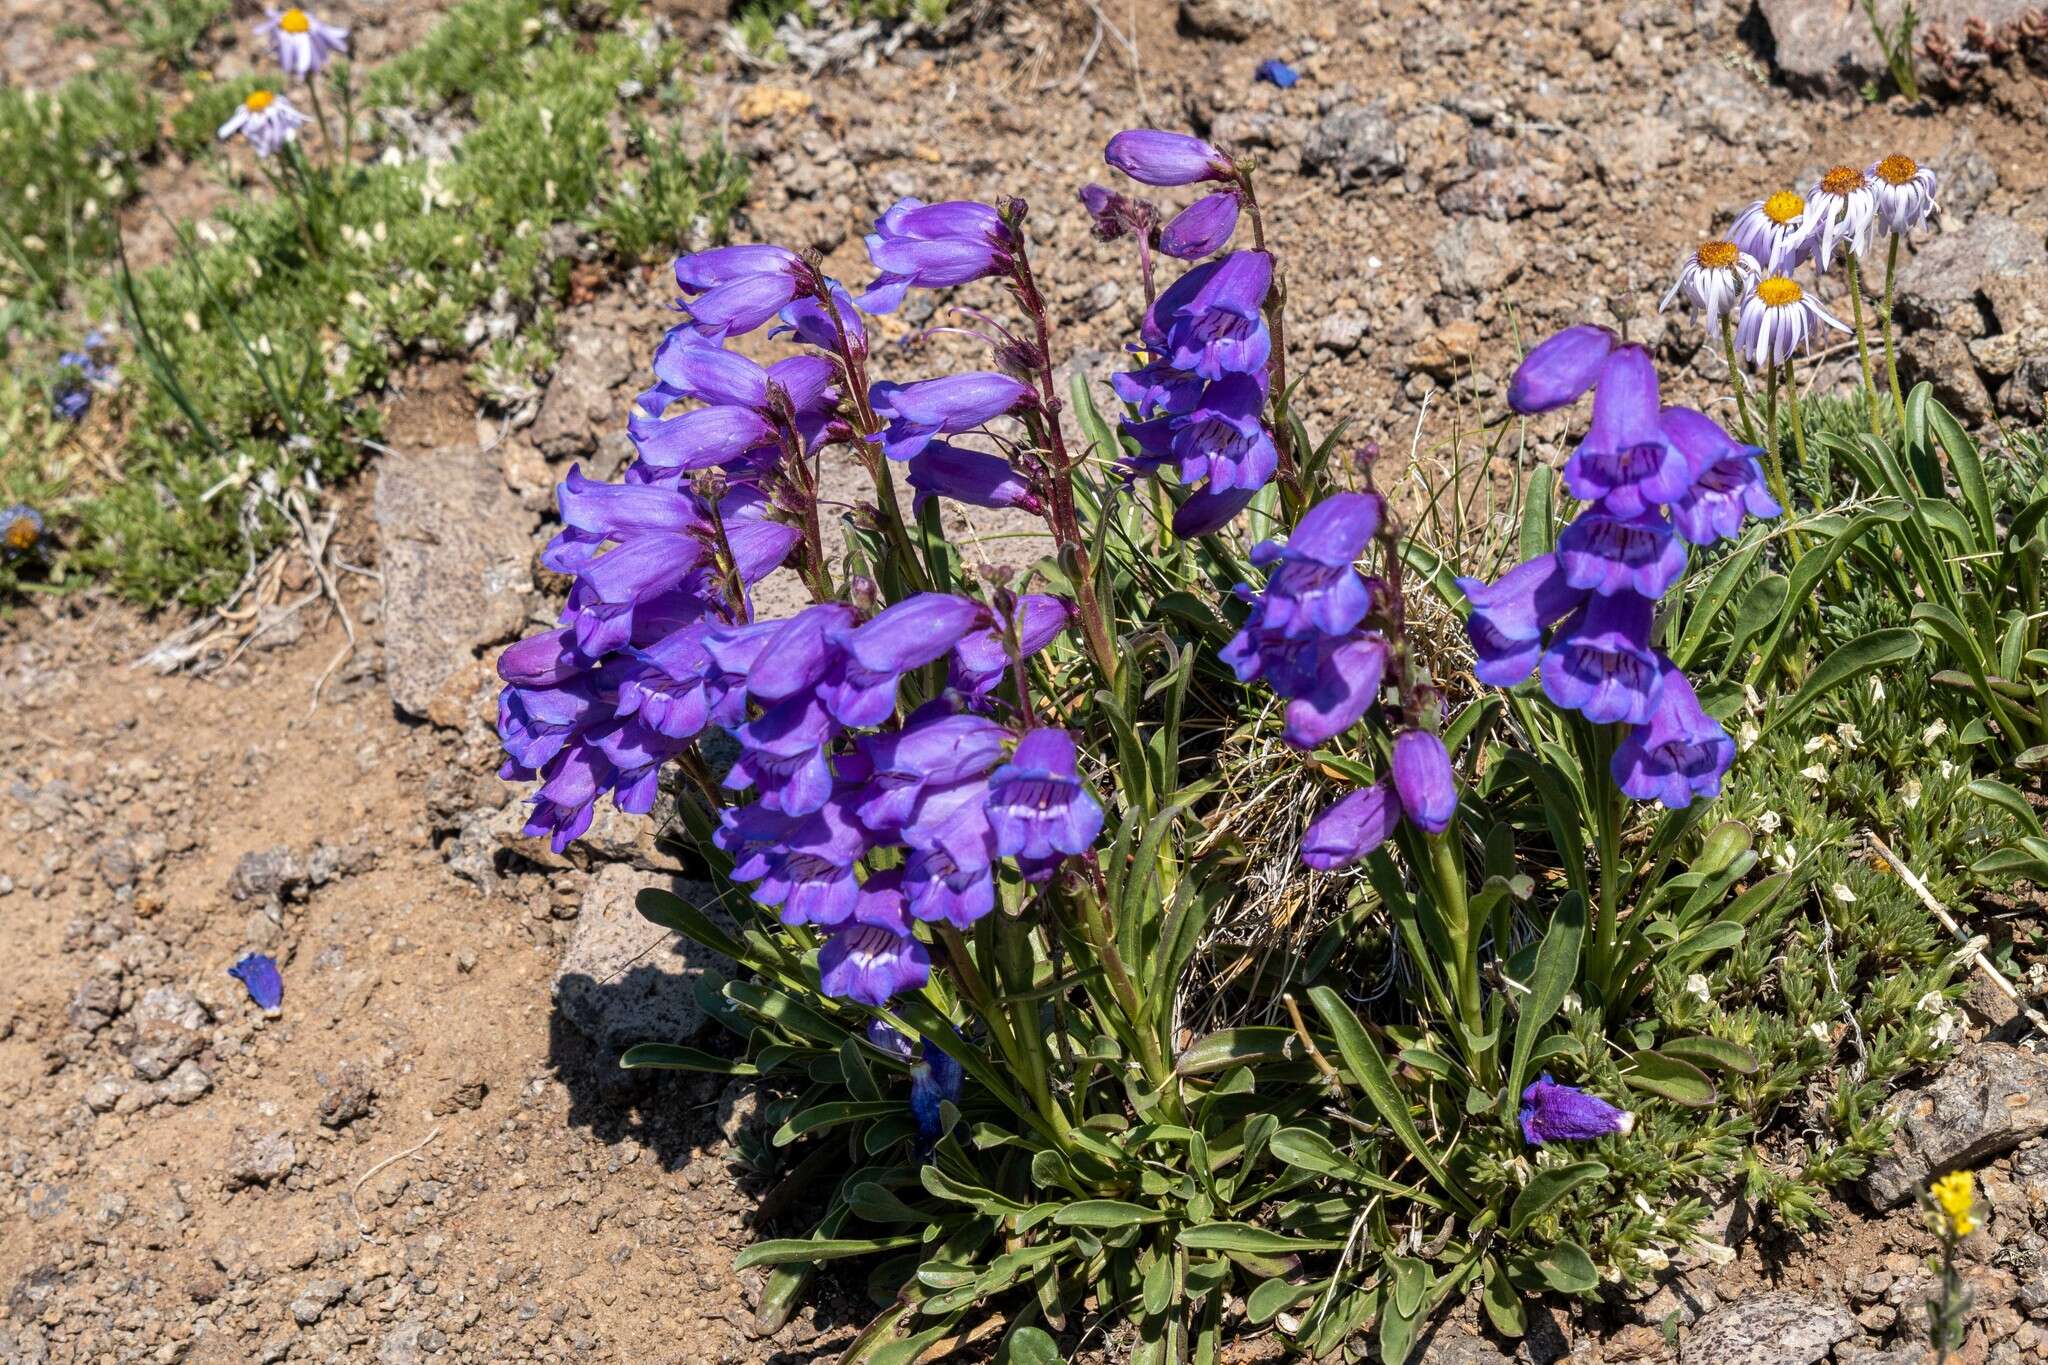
419, 1157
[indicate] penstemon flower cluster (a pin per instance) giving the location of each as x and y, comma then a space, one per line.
1655, 480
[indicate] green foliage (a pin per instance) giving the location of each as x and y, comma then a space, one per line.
1895, 40
69, 161
165, 33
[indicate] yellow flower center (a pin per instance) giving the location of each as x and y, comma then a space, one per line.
258, 101
1784, 208
294, 21
1777, 291
1897, 170
21, 534
1716, 255
1842, 180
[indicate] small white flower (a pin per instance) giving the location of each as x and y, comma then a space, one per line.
1818, 1030
1841, 209
1697, 985
1714, 277
1653, 1258
1849, 735
1769, 821
1843, 894
1778, 320
1904, 190
1774, 231
1876, 688
1946, 769
1931, 1003
1933, 732
1817, 743
1909, 793
1817, 773
1748, 734
1571, 1004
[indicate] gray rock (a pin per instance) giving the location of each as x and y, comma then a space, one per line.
1776, 1328
188, 1083
613, 837
2025, 395
102, 1095
1823, 46
268, 874
258, 1158
1234, 20
315, 1299
1476, 256
625, 980
347, 1098
579, 403
455, 558
95, 1003
1358, 144
1341, 332
1985, 1102
401, 1345
1942, 285
1944, 361
168, 1024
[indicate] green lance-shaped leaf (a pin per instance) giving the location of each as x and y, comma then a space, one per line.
1878, 649
1548, 1186
1362, 1057
1556, 969
1678, 1081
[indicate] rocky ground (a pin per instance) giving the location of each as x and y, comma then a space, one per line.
427, 1153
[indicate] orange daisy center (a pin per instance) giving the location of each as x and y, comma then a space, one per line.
1716, 255
294, 21
21, 534
1842, 180
1897, 170
258, 101
1777, 291
1784, 208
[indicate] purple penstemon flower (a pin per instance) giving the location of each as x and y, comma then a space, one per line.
972, 477
808, 871
302, 44
1038, 806
1679, 755
981, 659
1353, 828
1728, 479
1626, 463
1600, 662
731, 290
947, 406
869, 964
808, 320
941, 891
1210, 322
266, 120
1313, 584
1509, 617
1424, 781
936, 751
931, 246
1221, 440
1607, 551
935, 1080
1152, 156
1562, 1113
1560, 369
1203, 228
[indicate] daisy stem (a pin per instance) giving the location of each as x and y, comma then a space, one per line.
1792, 405
1773, 464
1735, 378
1891, 355
326, 133
1855, 273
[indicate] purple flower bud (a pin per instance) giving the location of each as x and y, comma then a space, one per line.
1353, 828
1560, 369
1037, 804
1202, 228
945, 406
1153, 157
1209, 510
1680, 755
258, 972
931, 246
734, 289
1424, 781
1564, 1113
942, 470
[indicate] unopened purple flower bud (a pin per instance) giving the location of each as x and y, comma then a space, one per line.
1202, 228
1560, 369
1424, 781
1352, 828
1155, 157
1565, 1113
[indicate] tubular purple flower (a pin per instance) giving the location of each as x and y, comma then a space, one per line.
1625, 462
1316, 587
809, 874
1037, 804
1564, 1113
1680, 755
940, 891
1600, 662
1155, 157
1560, 369
259, 976
797, 657
939, 751
1201, 229
1606, 552
1728, 479
915, 631
1210, 321
1341, 686
783, 756
1353, 828
869, 965
731, 290
945, 406
943, 470
1424, 781
931, 246
981, 658
807, 320
1222, 440
703, 438
1509, 617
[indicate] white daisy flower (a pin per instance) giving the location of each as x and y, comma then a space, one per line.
1774, 231
1841, 211
1904, 190
302, 43
266, 119
1714, 277
1778, 320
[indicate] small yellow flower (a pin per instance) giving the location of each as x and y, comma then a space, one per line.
1955, 1194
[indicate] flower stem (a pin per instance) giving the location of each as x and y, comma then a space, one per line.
1735, 378
868, 428
1855, 273
1774, 464
1891, 355
1454, 909
1276, 363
